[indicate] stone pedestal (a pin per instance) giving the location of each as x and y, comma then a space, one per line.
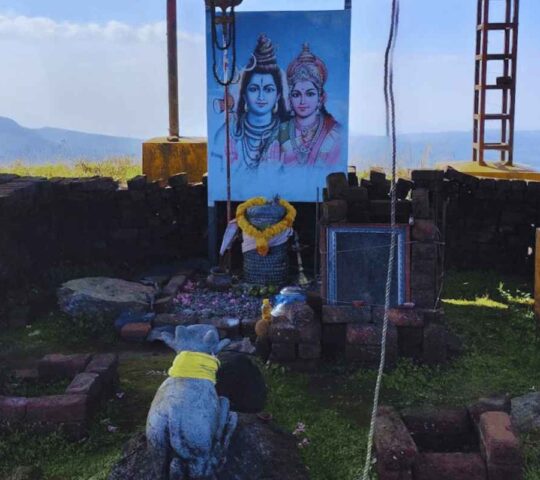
162, 158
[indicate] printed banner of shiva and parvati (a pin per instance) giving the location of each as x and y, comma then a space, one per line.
289, 106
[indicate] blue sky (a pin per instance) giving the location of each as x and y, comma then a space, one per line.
100, 66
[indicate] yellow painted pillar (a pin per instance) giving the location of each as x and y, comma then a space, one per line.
163, 158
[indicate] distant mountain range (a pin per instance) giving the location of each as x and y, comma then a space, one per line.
428, 149
46, 145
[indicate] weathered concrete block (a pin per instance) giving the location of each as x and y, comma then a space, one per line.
411, 342
449, 466
405, 317
499, 444
179, 180
283, 332
105, 365
369, 334
421, 203
435, 345
394, 446
247, 326
284, 352
310, 332
57, 409
424, 230
137, 183
385, 474
504, 472
60, 366
439, 421
309, 351
337, 185
345, 314
89, 384
356, 195
334, 211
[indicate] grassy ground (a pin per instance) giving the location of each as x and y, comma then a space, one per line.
495, 320
119, 168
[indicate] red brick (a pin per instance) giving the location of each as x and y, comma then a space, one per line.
12, 409
444, 421
394, 446
500, 403
310, 332
505, 472
385, 474
309, 351
345, 314
85, 384
498, 442
57, 365
283, 332
285, 352
105, 365
435, 345
405, 317
334, 211
136, 331
424, 230
371, 334
449, 466
247, 326
57, 409
440, 429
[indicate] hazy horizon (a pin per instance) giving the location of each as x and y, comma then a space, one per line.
100, 66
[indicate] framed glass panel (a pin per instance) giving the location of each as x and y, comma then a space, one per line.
358, 262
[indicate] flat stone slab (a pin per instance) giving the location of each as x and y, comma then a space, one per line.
258, 450
103, 297
526, 412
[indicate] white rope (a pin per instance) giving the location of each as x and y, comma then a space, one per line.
391, 119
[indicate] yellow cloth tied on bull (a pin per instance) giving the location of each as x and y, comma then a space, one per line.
195, 365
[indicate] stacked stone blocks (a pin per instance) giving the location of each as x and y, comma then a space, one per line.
94, 379
448, 443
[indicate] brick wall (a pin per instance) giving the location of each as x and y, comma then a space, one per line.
81, 220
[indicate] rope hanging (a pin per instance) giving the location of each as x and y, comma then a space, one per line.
391, 132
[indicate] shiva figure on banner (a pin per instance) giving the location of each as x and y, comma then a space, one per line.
260, 110
312, 137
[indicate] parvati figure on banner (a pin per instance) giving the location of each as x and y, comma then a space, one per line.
261, 108
312, 136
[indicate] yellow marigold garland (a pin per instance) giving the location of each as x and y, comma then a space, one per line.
263, 236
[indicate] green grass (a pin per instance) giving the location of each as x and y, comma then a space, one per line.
502, 356
119, 168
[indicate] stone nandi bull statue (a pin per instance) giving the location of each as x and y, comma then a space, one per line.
189, 427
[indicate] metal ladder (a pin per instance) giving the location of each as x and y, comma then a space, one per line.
505, 84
